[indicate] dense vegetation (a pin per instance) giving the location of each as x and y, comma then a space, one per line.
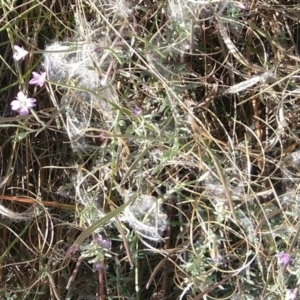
149, 149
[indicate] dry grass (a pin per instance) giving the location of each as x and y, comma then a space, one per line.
161, 160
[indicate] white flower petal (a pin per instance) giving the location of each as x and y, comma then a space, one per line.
21, 97
15, 104
36, 74
20, 53
30, 102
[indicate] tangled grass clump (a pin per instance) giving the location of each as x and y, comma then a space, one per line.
153, 152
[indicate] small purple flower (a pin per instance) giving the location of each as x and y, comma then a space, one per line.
97, 49
102, 241
283, 258
38, 78
136, 111
20, 52
97, 267
22, 104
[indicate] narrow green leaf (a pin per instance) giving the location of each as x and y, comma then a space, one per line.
87, 232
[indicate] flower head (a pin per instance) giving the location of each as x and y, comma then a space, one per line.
102, 241
22, 104
283, 258
136, 111
20, 53
38, 78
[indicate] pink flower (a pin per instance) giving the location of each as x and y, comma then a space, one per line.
22, 104
20, 53
283, 258
38, 78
